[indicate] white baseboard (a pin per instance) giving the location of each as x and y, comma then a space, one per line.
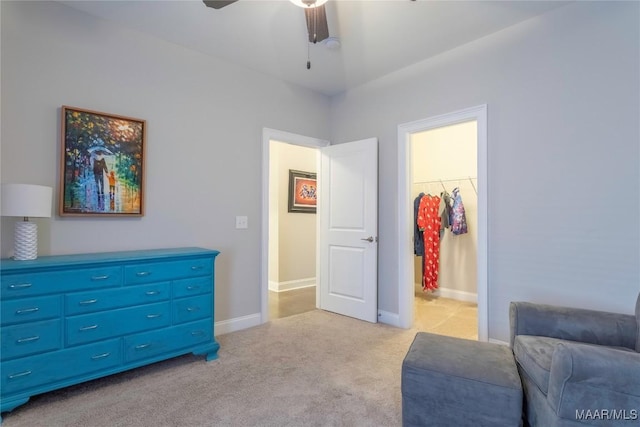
237, 324
459, 295
387, 318
454, 294
291, 284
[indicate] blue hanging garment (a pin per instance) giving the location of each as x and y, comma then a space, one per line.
418, 240
458, 220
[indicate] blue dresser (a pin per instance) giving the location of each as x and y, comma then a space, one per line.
72, 318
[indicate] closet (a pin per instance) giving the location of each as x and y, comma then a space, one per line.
445, 159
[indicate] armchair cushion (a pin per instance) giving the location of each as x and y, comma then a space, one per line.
588, 377
535, 355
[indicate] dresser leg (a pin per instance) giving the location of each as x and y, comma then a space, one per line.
210, 351
9, 404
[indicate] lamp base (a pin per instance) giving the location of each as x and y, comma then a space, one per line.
25, 241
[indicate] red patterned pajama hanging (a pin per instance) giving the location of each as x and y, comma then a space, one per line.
429, 222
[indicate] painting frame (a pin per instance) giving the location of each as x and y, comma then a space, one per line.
102, 164
298, 201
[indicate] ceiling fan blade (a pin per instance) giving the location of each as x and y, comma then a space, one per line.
218, 4
317, 23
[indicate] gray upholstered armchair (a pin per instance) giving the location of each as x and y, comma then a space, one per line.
577, 366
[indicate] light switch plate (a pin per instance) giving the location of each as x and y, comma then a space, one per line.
242, 222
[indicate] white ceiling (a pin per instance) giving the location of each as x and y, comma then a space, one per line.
377, 36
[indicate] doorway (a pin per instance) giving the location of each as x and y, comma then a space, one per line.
346, 227
406, 261
292, 232
273, 195
444, 173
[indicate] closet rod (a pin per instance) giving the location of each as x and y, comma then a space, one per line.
446, 180
442, 181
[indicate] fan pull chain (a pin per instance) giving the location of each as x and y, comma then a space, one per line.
315, 33
315, 38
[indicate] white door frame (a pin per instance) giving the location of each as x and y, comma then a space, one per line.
405, 212
269, 135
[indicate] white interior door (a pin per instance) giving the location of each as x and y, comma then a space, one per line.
348, 229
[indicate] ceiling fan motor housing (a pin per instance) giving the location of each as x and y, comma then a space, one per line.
218, 4
317, 24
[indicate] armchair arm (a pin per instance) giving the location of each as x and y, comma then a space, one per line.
594, 378
574, 324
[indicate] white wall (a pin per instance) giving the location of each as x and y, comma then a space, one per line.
439, 158
563, 153
204, 117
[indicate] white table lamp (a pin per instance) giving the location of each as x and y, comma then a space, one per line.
26, 200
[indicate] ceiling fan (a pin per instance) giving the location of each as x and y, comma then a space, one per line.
314, 11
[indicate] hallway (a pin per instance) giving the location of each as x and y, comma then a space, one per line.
288, 303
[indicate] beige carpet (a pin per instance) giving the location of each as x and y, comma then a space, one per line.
311, 369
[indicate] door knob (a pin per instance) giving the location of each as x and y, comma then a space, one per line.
369, 239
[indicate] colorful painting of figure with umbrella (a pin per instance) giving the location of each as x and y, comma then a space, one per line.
102, 164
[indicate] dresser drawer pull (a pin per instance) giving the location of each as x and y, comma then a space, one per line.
142, 346
20, 285
143, 273
88, 328
88, 302
197, 267
100, 356
197, 333
96, 278
193, 287
192, 309
152, 293
153, 316
27, 310
29, 339
20, 374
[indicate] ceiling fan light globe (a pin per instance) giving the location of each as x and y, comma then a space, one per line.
331, 43
308, 3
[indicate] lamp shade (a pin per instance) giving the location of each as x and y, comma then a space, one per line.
26, 200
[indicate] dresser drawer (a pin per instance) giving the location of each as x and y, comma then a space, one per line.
104, 299
29, 372
51, 282
153, 272
93, 327
153, 343
30, 309
193, 308
30, 338
189, 287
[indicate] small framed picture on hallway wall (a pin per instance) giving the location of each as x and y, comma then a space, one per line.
101, 164
303, 191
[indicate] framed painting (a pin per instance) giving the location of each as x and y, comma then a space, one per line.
303, 191
101, 164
